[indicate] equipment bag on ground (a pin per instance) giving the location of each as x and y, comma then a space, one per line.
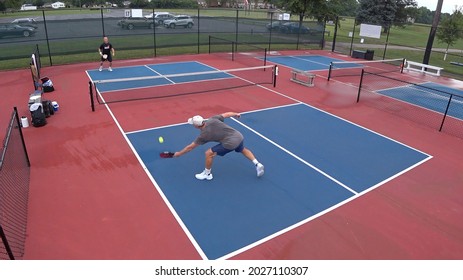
47, 85
38, 115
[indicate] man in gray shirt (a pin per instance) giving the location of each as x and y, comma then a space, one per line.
215, 130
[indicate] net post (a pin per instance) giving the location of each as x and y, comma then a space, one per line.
265, 57
446, 112
92, 102
275, 74
403, 65
360, 85
5, 244
22, 136
329, 70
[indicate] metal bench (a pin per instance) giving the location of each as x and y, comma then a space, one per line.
303, 77
423, 68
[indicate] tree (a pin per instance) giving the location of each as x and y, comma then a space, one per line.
2, 6
451, 29
385, 12
39, 3
13, 4
423, 15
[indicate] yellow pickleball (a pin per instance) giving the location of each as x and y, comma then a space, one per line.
161, 140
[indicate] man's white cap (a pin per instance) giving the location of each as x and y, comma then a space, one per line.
196, 121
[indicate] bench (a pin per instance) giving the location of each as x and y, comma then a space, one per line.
456, 63
367, 55
423, 68
303, 77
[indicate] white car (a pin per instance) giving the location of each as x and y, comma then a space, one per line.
160, 17
181, 20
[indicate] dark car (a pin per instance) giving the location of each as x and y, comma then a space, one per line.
131, 23
293, 27
7, 30
28, 22
275, 25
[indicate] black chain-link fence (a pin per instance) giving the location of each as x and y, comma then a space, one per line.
14, 191
407, 42
66, 36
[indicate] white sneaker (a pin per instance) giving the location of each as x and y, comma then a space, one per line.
101, 68
110, 69
260, 169
204, 176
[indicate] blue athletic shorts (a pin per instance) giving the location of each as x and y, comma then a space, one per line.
221, 150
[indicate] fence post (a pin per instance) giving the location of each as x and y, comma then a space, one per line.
154, 35
46, 36
270, 35
199, 33
299, 32
446, 111
102, 22
236, 26
333, 47
387, 42
353, 36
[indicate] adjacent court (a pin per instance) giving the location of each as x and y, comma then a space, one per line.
431, 96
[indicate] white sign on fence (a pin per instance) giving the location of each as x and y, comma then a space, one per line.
371, 31
137, 13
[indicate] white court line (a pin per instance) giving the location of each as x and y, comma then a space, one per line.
153, 181
159, 74
296, 157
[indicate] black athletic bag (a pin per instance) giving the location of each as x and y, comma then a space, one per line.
38, 115
47, 85
48, 108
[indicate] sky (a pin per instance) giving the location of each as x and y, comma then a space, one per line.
447, 7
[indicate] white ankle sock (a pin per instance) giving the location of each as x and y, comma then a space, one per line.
255, 161
208, 171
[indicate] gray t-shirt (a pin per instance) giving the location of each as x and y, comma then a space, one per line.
216, 130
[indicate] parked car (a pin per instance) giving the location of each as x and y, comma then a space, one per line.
181, 20
29, 22
7, 30
160, 17
275, 25
293, 27
132, 22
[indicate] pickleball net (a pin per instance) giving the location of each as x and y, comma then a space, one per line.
354, 68
244, 53
166, 86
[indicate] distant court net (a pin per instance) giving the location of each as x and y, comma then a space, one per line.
428, 103
140, 88
245, 53
354, 68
